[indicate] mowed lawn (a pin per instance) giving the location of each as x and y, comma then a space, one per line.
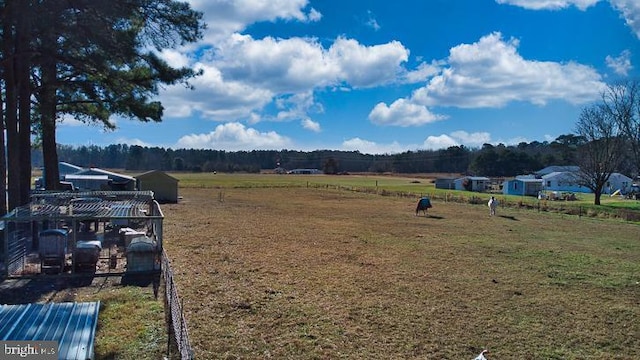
306, 273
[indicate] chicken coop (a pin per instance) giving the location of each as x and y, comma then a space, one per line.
82, 232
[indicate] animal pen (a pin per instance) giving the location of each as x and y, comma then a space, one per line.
101, 233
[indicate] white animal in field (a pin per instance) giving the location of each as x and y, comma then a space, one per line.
493, 204
481, 356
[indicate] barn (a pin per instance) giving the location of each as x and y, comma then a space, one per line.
163, 185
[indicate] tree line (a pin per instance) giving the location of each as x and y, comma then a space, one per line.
489, 160
606, 140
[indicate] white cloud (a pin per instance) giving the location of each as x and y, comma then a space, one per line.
234, 137
243, 75
439, 142
310, 125
423, 72
491, 73
314, 15
215, 98
402, 113
225, 17
175, 58
549, 4
281, 65
471, 139
134, 141
630, 10
68, 120
372, 22
621, 65
367, 66
457, 138
369, 147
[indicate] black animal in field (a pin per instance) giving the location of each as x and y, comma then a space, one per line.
424, 204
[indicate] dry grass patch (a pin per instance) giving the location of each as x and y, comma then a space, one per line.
313, 273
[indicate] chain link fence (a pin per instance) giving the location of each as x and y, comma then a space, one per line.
179, 346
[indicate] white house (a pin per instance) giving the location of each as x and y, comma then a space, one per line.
569, 181
618, 181
563, 181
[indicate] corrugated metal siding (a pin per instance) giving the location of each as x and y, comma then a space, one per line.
73, 325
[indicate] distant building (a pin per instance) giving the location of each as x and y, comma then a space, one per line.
557, 168
163, 185
526, 186
88, 182
304, 171
117, 182
473, 183
445, 183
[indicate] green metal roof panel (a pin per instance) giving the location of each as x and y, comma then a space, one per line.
72, 325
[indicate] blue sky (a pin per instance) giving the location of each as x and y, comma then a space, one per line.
384, 76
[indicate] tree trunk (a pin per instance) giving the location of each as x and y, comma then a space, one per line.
48, 118
23, 68
3, 167
11, 108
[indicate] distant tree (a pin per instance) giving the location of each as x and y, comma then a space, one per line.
178, 164
485, 161
622, 102
602, 152
565, 147
330, 166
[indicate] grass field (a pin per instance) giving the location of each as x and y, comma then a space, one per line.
271, 269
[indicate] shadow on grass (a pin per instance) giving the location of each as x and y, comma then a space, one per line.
427, 216
509, 217
34, 289
142, 280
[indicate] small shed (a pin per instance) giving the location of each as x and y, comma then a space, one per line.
445, 183
163, 185
522, 186
473, 183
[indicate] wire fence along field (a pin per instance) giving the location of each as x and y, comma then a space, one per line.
418, 189
176, 323
528, 203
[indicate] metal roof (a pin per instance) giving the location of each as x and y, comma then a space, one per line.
72, 325
93, 204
